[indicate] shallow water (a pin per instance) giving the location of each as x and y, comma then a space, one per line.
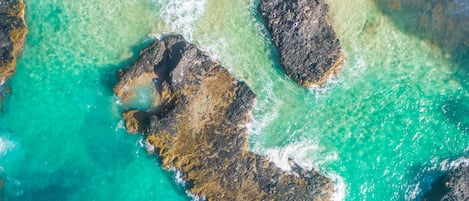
383, 129
62, 122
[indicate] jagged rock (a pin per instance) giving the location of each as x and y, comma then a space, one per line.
309, 50
444, 23
136, 120
200, 129
12, 34
452, 186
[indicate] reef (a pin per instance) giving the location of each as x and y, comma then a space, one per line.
308, 47
200, 128
453, 185
12, 34
442, 23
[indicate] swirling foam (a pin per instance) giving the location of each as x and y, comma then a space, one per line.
339, 187
180, 16
309, 155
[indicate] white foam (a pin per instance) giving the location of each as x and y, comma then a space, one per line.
195, 197
445, 165
323, 90
149, 147
413, 192
178, 177
5, 146
259, 122
155, 36
180, 15
344, 79
306, 154
339, 187
120, 125
309, 155
139, 144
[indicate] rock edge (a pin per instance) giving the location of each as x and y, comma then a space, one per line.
13, 31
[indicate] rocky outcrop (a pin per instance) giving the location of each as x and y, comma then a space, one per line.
12, 34
453, 186
444, 23
309, 50
199, 128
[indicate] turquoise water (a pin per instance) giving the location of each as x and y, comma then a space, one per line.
62, 122
383, 129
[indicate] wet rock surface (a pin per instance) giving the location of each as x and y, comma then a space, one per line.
444, 23
200, 129
453, 186
309, 50
12, 33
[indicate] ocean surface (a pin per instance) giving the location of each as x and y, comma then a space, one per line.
392, 121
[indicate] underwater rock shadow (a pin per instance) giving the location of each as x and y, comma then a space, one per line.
457, 112
108, 76
443, 23
431, 180
47, 186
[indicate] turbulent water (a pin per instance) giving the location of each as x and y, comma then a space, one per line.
383, 129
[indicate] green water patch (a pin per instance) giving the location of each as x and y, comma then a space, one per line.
62, 124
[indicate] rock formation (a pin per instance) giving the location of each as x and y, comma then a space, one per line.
199, 128
444, 23
309, 50
453, 186
12, 33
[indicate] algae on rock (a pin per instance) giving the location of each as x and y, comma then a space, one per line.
12, 34
200, 129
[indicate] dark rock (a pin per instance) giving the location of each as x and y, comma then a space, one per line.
444, 23
200, 129
12, 33
452, 186
136, 120
309, 50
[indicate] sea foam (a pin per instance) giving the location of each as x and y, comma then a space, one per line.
339, 187
446, 165
180, 16
309, 155
5, 146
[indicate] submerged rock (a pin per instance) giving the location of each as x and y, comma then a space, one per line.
454, 186
444, 23
200, 129
12, 34
309, 50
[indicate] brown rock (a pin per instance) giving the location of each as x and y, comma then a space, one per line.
12, 34
200, 129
